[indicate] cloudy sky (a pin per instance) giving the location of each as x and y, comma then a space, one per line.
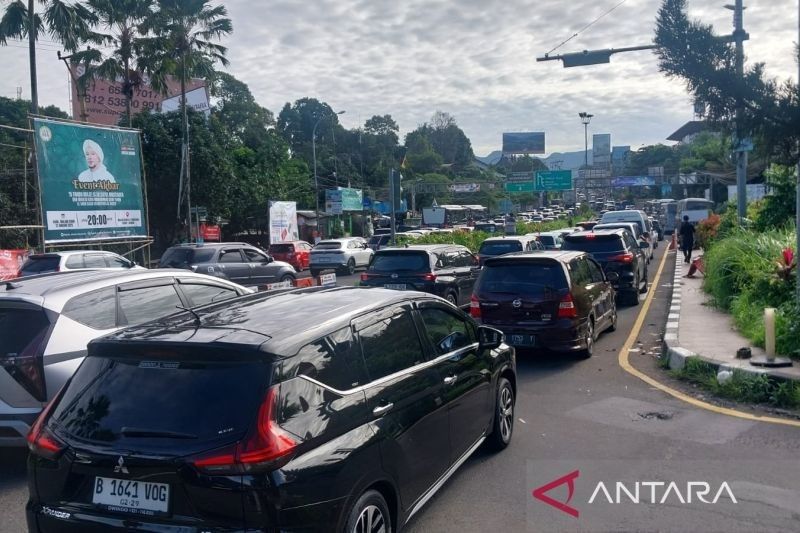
474, 59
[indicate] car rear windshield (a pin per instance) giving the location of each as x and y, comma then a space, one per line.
598, 243
37, 265
180, 257
546, 239
500, 247
18, 327
281, 248
521, 277
485, 227
161, 401
379, 239
400, 262
328, 246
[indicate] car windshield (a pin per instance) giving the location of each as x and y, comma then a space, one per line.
499, 247
521, 277
400, 262
178, 257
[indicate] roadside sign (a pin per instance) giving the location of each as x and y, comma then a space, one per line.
553, 180
519, 186
520, 176
328, 280
366, 203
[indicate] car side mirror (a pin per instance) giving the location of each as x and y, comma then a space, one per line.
613, 277
269, 259
489, 338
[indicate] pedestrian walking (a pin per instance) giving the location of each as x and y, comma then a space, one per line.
686, 233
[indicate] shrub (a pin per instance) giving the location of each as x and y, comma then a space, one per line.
707, 230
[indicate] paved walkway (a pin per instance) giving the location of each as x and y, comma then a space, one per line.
697, 327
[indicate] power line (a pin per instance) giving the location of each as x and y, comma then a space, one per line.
586, 27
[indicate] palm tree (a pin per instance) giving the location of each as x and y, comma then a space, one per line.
182, 46
117, 25
66, 22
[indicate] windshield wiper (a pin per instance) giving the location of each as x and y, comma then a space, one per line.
155, 433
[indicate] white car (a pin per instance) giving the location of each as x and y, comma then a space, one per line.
75, 260
343, 255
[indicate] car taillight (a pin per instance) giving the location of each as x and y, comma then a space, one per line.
429, 276
474, 307
41, 441
566, 307
622, 258
27, 367
365, 276
265, 446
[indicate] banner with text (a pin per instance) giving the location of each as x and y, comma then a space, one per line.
283, 222
91, 182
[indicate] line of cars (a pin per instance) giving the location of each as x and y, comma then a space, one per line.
179, 400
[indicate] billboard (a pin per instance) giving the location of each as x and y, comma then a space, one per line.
523, 143
333, 201
197, 99
10, 263
464, 187
104, 101
90, 182
633, 181
601, 149
283, 222
351, 199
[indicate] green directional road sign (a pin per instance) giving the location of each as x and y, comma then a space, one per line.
519, 186
553, 180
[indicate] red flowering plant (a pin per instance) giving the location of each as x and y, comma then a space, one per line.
785, 265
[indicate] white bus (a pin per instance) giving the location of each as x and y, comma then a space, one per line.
696, 209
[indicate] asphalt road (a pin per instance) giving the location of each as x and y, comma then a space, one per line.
594, 418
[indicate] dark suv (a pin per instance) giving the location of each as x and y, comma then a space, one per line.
617, 251
236, 261
553, 300
446, 270
256, 415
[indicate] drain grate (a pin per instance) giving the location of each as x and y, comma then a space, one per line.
656, 415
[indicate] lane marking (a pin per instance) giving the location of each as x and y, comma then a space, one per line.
626, 365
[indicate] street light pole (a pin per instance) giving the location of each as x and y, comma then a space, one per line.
585, 119
797, 194
314, 155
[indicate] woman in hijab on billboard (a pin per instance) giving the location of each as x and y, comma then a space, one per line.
94, 160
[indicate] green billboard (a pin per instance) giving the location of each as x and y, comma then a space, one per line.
351, 199
90, 182
552, 180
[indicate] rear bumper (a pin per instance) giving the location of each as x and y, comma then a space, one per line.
565, 337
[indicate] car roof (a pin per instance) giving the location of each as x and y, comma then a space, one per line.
63, 285
424, 247
607, 231
69, 252
210, 244
279, 323
563, 256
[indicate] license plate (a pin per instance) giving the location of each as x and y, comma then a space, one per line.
521, 340
128, 496
396, 286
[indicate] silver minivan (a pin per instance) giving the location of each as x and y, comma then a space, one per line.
46, 321
637, 216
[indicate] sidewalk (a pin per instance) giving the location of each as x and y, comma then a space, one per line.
695, 328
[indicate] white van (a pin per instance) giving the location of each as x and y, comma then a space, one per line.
633, 215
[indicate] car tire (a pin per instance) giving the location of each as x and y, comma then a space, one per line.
503, 425
369, 513
590, 338
350, 268
287, 277
452, 297
643, 288
614, 318
634, 296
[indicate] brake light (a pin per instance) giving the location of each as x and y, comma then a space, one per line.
566, 307
429, 276
264, 447
365, 276
474, 307
590, 236
41, 441
622, 258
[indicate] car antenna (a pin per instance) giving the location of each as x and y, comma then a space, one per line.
196, 316
10, 285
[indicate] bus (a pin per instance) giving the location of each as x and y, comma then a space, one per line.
666, 212
696, 209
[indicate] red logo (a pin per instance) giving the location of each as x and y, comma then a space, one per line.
569, 479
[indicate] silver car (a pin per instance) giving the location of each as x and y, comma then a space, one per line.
46, 321
343, 255
75, 260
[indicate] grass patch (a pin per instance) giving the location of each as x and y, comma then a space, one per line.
742, 386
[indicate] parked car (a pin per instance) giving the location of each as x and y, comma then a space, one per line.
631, 215
553, 300
343, 255
617, 251
236, 261
47, 320
257, 415
296, 253
446, 270
494, 246
75, 260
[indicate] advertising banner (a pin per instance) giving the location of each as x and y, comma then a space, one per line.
283, 222
523, 143
91, 182
333, 201
351, 199
633, 181
10, 263
104, 102
465, 187
197, 99
601, 149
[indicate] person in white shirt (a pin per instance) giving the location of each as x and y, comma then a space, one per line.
94, 160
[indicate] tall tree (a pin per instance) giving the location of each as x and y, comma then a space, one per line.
66, 22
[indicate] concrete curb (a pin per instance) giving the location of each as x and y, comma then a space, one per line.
676, 355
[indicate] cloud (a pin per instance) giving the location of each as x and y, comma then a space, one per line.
475, 59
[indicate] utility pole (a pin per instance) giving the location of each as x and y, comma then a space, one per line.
739, 36
392, 201
797, 194
32, 58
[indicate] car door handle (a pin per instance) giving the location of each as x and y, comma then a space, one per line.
382, 409
450, 380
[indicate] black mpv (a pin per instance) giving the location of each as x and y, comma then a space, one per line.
254, 415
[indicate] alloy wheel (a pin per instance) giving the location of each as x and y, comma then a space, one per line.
371, 520
506, 413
